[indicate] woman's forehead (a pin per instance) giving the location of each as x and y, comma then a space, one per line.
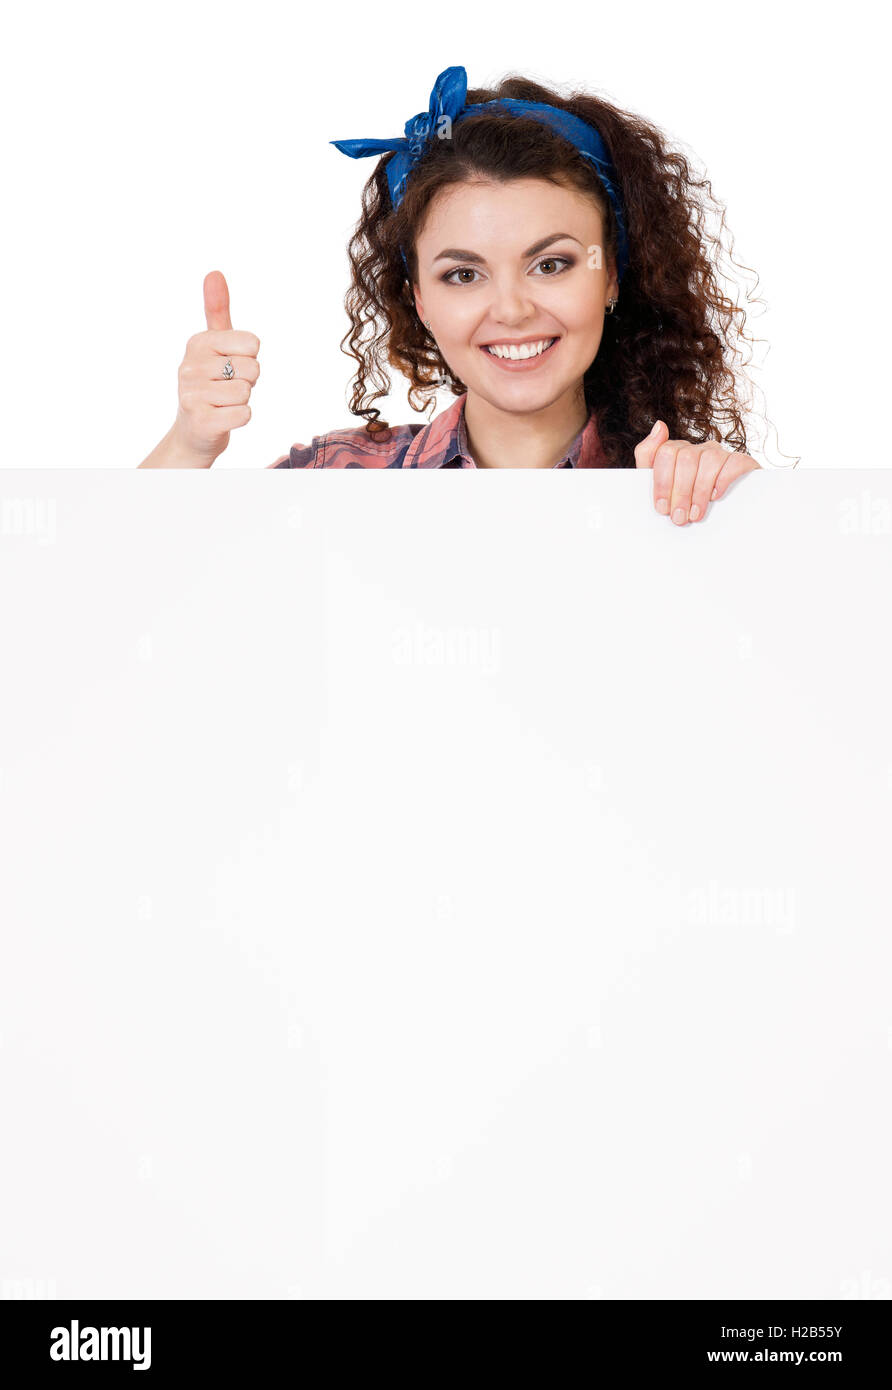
513, 210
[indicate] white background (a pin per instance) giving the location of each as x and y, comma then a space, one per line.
463, 885
146, 145
431, 895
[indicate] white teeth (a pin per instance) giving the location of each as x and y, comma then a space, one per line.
516, 353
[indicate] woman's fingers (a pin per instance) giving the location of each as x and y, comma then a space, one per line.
216, 300
696, 468
213, 393
644, 452
664, 476
209, 365
733, 466
687, 477
231, 344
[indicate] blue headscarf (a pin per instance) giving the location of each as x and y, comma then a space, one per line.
448, 100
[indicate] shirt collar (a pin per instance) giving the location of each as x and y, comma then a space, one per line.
444, 443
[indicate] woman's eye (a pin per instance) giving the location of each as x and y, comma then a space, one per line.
563, 261
555, 260
459, 270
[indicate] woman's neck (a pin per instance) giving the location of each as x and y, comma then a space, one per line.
534, 439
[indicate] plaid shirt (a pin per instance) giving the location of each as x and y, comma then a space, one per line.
441, 444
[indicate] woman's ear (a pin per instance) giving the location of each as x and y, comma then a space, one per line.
419, 307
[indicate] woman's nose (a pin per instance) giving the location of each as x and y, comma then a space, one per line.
510, 306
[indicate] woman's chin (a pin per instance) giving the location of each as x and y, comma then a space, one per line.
529, 392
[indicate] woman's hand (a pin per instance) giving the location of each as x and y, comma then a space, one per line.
687, 477
210, 405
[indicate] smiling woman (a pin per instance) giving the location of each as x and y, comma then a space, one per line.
545, 260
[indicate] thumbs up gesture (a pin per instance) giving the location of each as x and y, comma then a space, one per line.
215, 379
687, 477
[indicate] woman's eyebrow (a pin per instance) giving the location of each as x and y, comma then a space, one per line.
456, 254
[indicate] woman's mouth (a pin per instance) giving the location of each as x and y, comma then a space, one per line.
523, 357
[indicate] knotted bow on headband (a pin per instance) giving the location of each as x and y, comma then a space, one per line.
448, 100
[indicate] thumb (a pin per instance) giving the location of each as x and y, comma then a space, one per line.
644, 452
216, 300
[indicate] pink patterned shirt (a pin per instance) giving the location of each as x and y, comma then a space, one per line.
441, 444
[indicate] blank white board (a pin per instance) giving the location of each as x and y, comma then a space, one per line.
462, 886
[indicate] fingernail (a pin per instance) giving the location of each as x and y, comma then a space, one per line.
656, 426
695, 512
663, 506
715, 493
680, 516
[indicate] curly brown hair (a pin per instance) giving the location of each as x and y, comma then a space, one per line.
666, 352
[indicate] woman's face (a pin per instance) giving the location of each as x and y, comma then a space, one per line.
514, 262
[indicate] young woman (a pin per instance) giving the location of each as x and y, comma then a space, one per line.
544, 259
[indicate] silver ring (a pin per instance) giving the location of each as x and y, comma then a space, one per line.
228, 370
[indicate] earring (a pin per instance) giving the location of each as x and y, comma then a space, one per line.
427, 323
611, 305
